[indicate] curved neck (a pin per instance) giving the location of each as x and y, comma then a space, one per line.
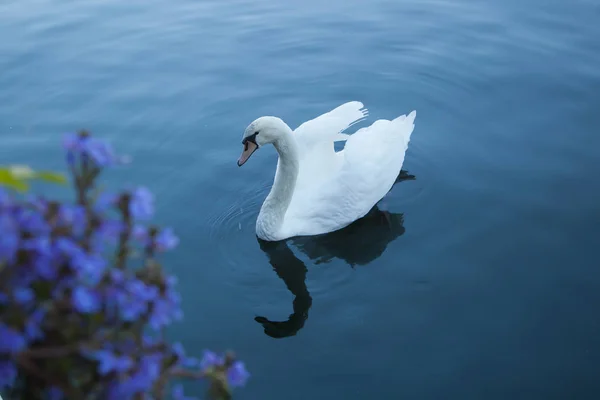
277, 202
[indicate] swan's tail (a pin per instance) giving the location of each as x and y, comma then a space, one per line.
408, 119
406, 126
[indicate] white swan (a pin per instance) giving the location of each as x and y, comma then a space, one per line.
316, 189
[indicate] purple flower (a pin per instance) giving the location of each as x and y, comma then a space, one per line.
11, 341
140, 381
69, 248
141, 291
32, 222
33, 325
72, 142
5, 199
128, 307
86, 300
111, 230
39, 203
9, 240
161, 314
142, 203
73, 216
54, 394
237, 375
140, 233
182, 359
99, 151
166, 310
39, 244
117, 275
90, 268
8, 373
105, 201
23, 295
45, 267
178, 394
109, 362
166, 240
211, 359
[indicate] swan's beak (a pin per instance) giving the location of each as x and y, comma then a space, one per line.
249, 148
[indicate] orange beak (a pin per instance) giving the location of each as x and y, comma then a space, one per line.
249, 148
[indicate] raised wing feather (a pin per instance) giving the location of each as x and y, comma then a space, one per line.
316, 137
326, 127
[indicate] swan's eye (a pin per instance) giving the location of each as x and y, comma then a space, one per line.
255, 133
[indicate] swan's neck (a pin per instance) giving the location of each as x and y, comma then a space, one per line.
272, 213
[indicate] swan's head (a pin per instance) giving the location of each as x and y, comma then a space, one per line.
262, 131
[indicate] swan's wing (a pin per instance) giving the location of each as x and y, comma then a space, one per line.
373, 158
315, 138
370, 163
327, 127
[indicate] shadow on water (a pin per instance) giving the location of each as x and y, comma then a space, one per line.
358, 244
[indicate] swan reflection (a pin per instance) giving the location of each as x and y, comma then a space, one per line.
358, 244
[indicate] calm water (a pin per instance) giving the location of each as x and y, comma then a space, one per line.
477, 277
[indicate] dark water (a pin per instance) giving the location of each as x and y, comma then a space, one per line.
478, 277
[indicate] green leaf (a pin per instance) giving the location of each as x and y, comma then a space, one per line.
53, 177
8, 179
16, 177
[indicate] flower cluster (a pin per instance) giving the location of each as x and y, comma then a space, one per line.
84, 300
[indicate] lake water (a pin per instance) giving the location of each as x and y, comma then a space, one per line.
479, 274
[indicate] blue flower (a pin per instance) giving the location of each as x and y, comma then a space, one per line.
130, 308
86, 300
90, 268
40, 204
73, 216
33, 325
39, 244
182, 359
69, 248
117, 275
141, 291
8, 373
72, 142
23, 295
109, 362
99, 151
142, 203
140, 233
9, 240
11, 341
166, 240
165, 310
140, 381
211, 359
237, 375
106, 201
111, 230
5, 199
32, 222
54, 394
45, 267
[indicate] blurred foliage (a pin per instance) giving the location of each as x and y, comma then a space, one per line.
84, 298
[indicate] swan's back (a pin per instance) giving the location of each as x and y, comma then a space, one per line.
335, 189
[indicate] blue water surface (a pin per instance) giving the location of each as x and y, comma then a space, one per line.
478, 277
